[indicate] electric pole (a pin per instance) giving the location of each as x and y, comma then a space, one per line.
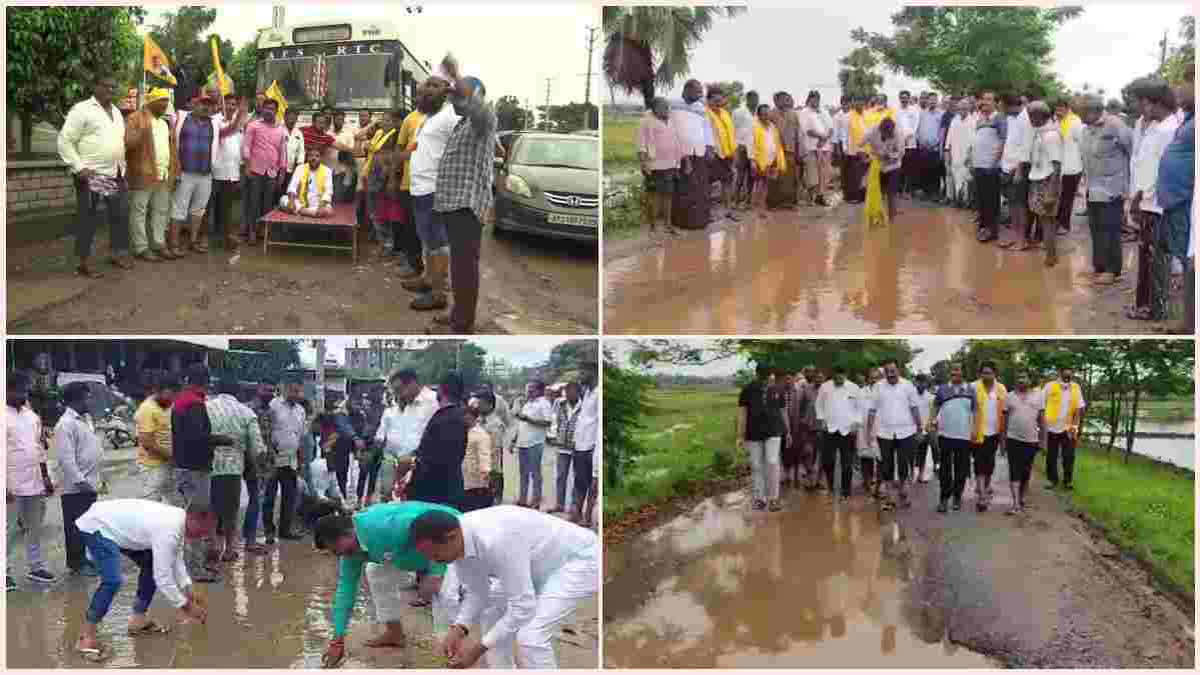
546, 117
1162, 62
587, 87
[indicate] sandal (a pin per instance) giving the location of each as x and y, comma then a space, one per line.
419, 602
150, 628
88, 273
93, 654
1139, 314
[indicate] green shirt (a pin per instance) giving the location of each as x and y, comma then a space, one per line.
382, 533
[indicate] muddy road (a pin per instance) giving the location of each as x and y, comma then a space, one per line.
819, 586
820, 270
529, 285
269, 612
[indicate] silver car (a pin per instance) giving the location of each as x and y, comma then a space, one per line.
549, 184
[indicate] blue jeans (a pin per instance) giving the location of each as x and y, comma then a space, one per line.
530, 461
107, 556
431, 226
250, 522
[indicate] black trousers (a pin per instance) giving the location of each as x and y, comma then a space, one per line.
466, 238
953, 466
368, 475
583, 476
257, 192
220, 209
897, 454
987, 186
74, 506
1057, 444
838, 447
88, 219
404, 235
339, 464
284, 480
1066, 204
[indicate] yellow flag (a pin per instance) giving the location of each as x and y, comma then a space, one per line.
155, 62
222, 81
274, 93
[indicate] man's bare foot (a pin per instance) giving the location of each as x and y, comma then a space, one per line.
388, 639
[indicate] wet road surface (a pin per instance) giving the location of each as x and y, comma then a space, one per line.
269, 612
848, 586
822, 271
529, 285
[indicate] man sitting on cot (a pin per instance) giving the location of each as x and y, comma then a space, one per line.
311, 191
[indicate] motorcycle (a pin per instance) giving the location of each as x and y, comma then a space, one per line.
116, 429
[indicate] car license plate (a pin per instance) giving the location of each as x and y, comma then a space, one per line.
563, 219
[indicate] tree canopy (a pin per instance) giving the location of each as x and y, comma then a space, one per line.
858, 76
270, 358
1185, 54
180, 36
570, 117
790, 355
965, 49
509, 114
55, 54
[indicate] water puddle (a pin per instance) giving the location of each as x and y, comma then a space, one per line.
793, 272
812, 587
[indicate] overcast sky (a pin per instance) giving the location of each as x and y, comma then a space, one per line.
506, 45
521, 351
772, 48
934, 349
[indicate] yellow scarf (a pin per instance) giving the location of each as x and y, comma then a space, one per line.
1067, 124
303, 190
981, 398
1054, 402
760, 148
376, 144
858, 129
873, 211
722, 124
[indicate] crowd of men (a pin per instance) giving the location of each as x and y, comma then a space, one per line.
362, 464
166, 180
980, 151
798, 428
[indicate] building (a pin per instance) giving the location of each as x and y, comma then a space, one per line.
380, 357
128, 358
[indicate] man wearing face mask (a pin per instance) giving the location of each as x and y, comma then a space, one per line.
153, 420
690, 208
289, 422
464, 194
895, 406
78, 450
1064, 404
28, 484
264, 161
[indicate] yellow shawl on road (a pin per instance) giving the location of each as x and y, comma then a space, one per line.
722, 124
322, 170
1054, 402
981, 397
760, 148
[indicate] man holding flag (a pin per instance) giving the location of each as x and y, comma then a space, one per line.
155, 62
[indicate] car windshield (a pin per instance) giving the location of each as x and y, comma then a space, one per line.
568, 152
358, 81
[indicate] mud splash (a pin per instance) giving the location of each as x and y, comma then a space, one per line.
820, 271
721, 587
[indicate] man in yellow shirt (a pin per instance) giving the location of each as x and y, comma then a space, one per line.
153, 421
405, 236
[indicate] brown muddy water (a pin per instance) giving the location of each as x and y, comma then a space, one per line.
823, 271
813, 587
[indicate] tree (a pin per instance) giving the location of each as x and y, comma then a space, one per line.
256, 360
650, 47
55, 54
625, 401
791, 355
569, 358
441, 357
570, 117
965, 49
734, 91
243, 68
857, 76
510, 115
179, 35
1184, 55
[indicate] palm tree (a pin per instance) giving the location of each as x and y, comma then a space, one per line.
637, 37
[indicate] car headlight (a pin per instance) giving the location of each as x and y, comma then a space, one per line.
518, 186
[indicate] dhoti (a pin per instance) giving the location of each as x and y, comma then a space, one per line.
692, 200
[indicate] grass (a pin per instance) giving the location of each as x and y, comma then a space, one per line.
688, 437
620, 144
1145, 507
620, 158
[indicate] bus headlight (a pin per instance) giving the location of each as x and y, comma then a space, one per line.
517, 185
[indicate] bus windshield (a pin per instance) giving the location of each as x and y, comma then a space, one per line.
356, 81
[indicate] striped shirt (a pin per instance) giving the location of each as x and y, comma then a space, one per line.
464, 178
232, 418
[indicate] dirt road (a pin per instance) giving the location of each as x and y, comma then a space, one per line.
269, 612
821, 270
529, 285
847, 586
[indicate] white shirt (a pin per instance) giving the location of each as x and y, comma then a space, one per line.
315, 188
322, 481
522, 548
345, 138
839, 407
529, 435
743, 127
816, 121
691, 124
1155, 139
892, 405
1046, 148
772, 148
431, 145
1063, 421
991, 421
400, 430
908, 119
91, 139
1018, 143
144, 525
1072, 155
588, 424
841, 128
295, 148
26, 454
160, 135
926, 408
228, 166
288, 424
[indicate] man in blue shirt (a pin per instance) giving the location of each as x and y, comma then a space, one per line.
1176, 181
953, 419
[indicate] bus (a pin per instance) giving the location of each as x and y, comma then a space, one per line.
354, 66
